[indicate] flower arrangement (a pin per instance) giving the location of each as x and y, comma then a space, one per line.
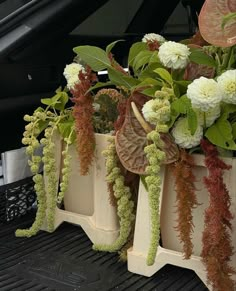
175, 99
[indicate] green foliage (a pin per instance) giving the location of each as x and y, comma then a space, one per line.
121, 79
222, 132
135, 49
198, 56
165, 75
58, 101
150, 91
234, 130
145, 57
111, 45
66, 129
94, 56
100, 85
192, 120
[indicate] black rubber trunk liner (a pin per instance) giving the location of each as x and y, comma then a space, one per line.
64, 261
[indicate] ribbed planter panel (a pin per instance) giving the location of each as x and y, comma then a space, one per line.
171, 250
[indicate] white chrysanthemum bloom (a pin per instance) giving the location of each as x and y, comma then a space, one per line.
227, 84
153, 37
210, 116
174, 55
204, 93
183, 136
71, 73
156, 111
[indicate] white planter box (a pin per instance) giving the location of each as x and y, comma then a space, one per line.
87, 199
171, 250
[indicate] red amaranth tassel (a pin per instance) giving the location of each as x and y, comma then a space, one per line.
186, 199
216, 240
83, 112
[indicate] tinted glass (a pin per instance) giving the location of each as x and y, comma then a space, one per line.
9, 6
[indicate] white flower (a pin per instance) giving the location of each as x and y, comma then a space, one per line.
182, 134
210, 116
156, 111
204, 93
227, 84
174, 55
153, 37
71, 73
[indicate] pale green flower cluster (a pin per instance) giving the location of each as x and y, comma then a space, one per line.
71, 73
50, 174
156, 110
125, 206
155, 156
65, 174
182, 135
41, 209
174, 55
46, 198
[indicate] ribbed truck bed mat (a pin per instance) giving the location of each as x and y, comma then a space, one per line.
64, 261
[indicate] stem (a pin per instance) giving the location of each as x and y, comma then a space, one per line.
140, 119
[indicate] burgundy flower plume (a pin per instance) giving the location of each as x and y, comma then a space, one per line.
83, 112
186, 199
217, 244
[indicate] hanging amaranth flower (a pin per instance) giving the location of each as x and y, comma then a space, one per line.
83, 112
186, 199
216, 240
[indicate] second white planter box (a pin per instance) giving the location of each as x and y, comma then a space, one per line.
171, 250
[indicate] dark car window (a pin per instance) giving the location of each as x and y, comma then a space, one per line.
9, 6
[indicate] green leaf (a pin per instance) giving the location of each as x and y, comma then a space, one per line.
111, 45
148, 71
183, 83
62, 101
58, 101
165, 75
121, 79
192, 120
148, 82
145, 57
181, 105
221, 133
99, 85
135, 49
65, 129
234, 130
47, 101
150, 91
198, 56
95, 57
228, 108
42, 124
59, 89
